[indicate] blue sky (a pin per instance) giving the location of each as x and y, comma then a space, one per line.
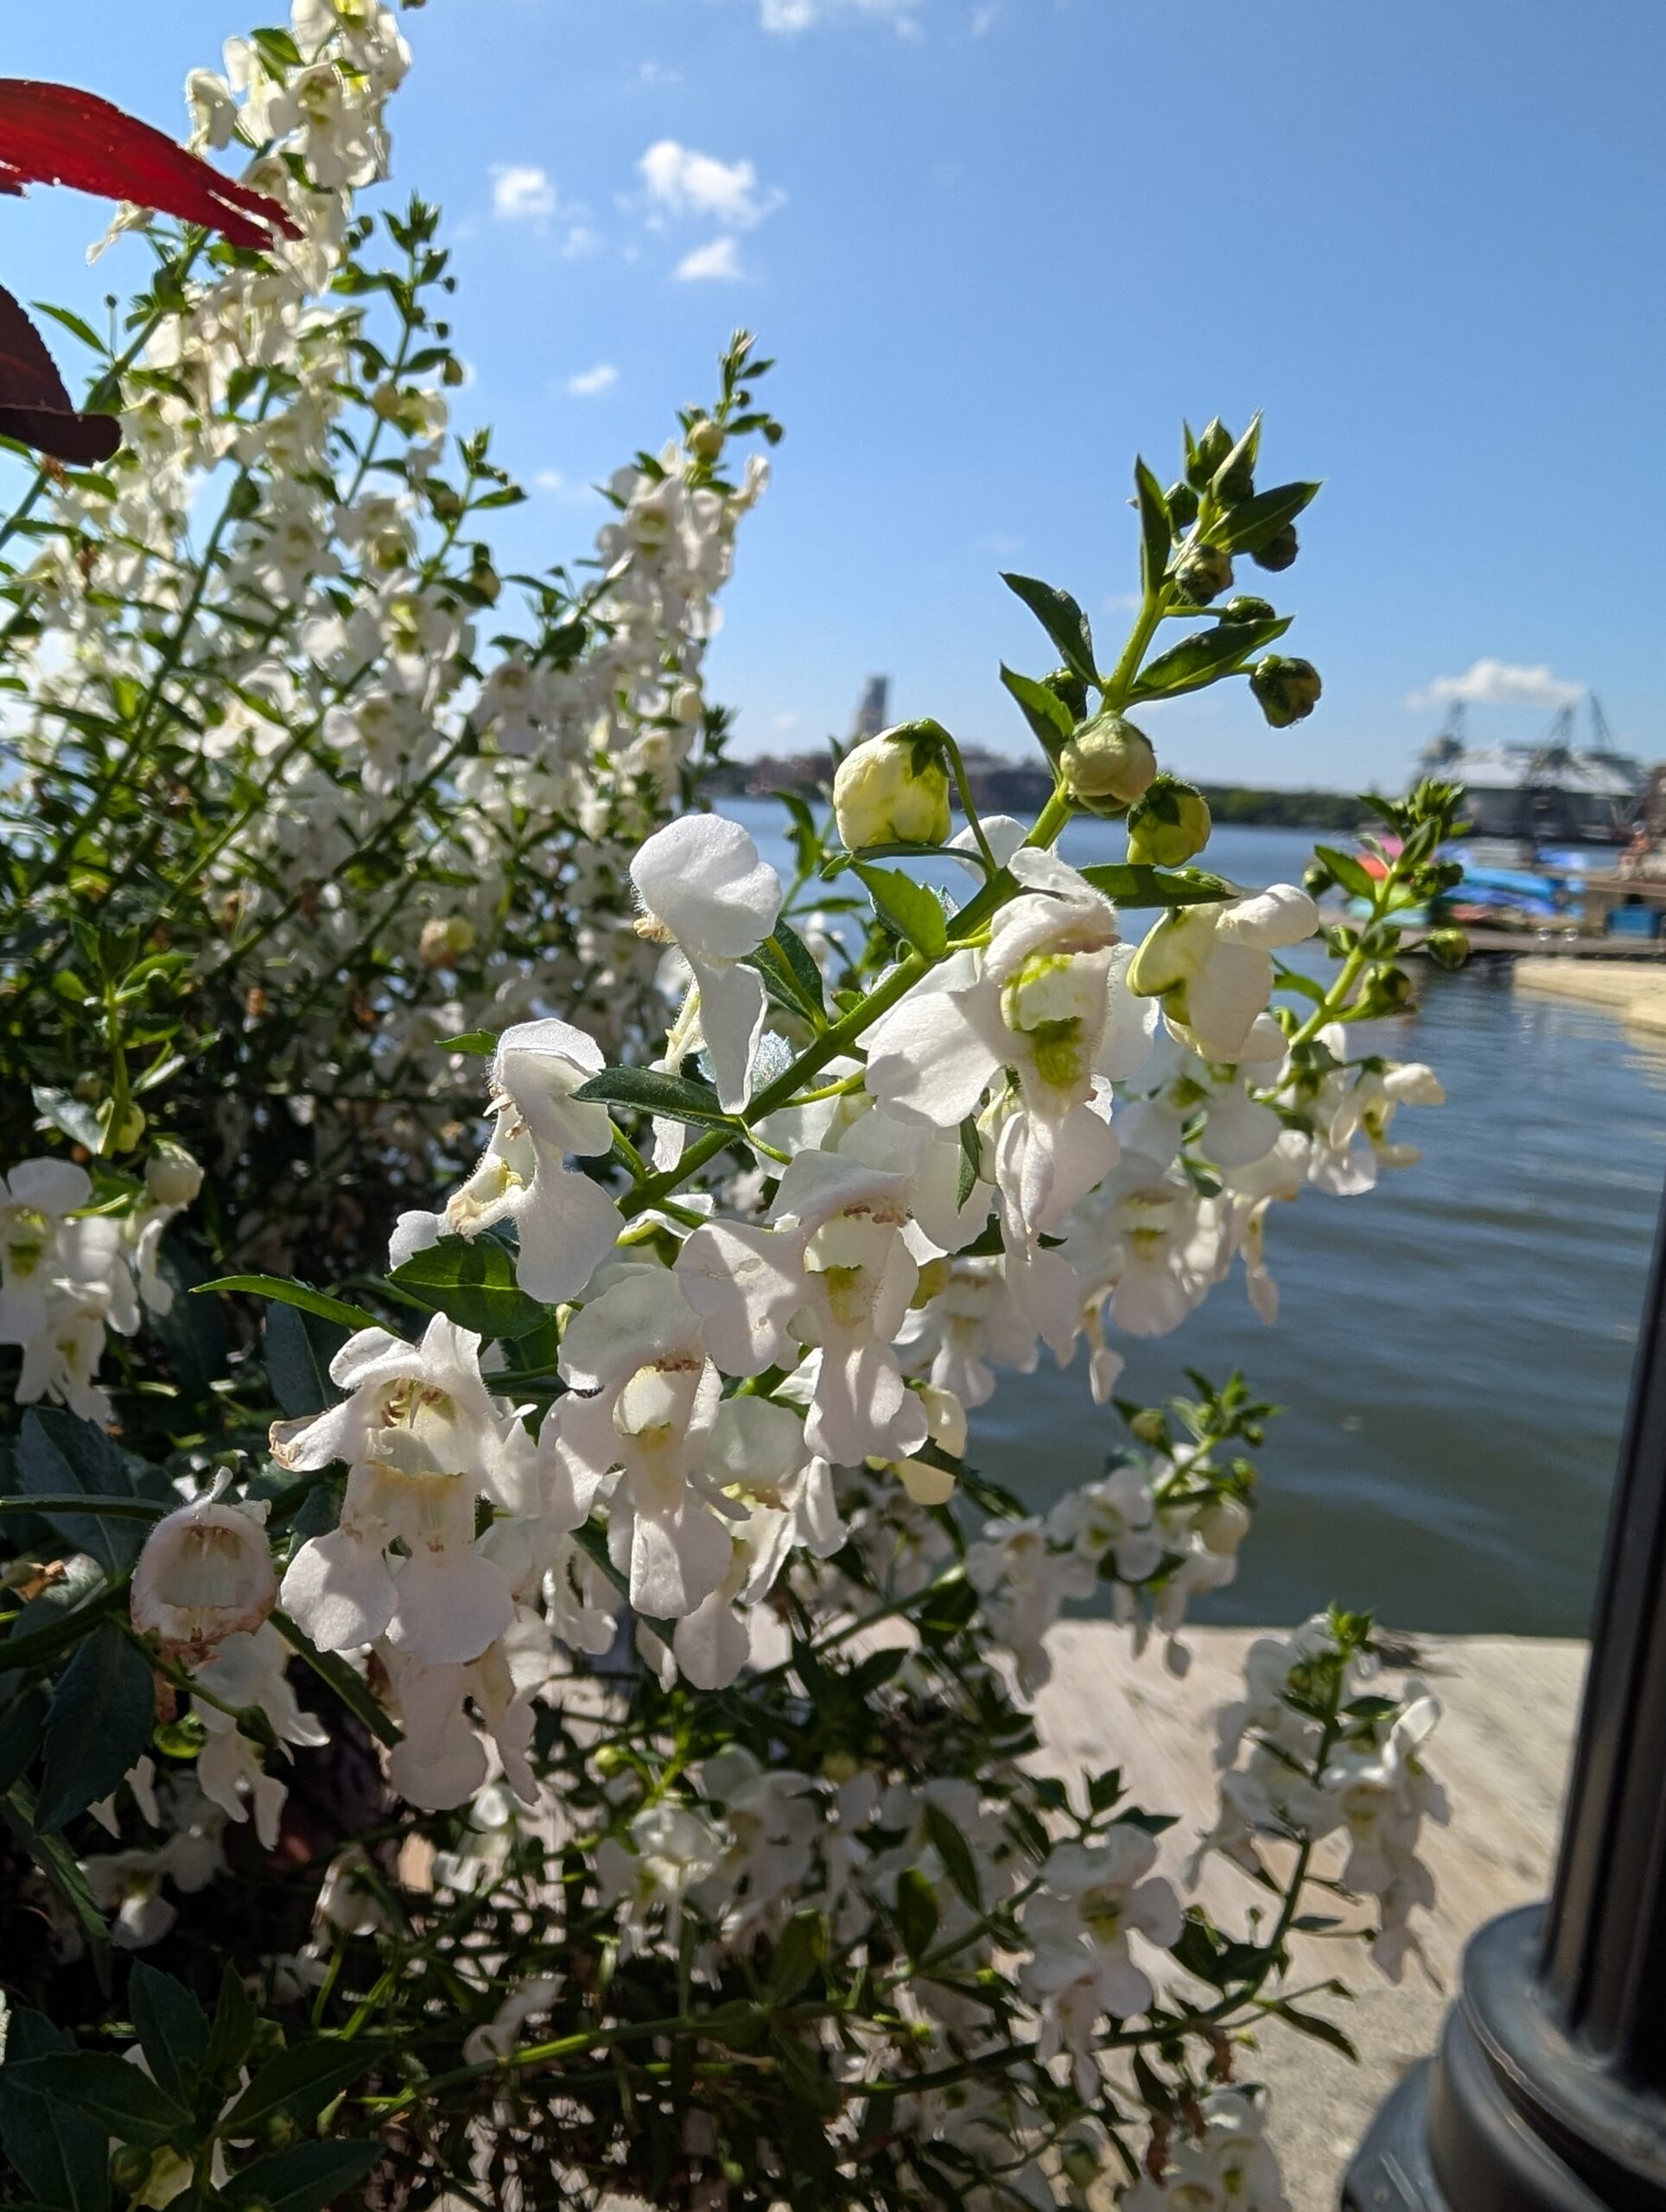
997, 245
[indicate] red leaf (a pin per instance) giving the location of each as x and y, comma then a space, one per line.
35, 408
55, 133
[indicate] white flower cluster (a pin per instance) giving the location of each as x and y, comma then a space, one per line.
1294, 1772
71, 1270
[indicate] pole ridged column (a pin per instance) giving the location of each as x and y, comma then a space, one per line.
1548, 2093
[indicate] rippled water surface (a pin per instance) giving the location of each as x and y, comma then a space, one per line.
1452, 1349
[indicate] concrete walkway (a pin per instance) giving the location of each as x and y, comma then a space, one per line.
1635, 991
1509, 1709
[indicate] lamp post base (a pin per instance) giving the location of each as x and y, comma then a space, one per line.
1511, 2116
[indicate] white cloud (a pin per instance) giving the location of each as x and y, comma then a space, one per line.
1488, 683
550, 480
787, 16
983, 19
555, 486
720, 260
656, 73
588, 382
680, 181
521, 193
784, 724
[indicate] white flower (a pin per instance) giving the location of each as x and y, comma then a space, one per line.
248, 1669
423, 1440
35, 1200
1212, 966
1113, 1518
205, 1574
644, 1398
1093, 1897
1047, 1000
701, 883
671, 1848
567, 1224
1228, 2166
443, 1761
528, 2000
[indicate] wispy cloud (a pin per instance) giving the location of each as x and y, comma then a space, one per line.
719, 261
588, 383
522, 192
785, 17
555, 486
1488, 683
680, 181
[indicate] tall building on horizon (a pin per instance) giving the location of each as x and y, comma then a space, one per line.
872, 710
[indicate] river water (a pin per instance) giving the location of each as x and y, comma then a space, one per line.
1453, 1348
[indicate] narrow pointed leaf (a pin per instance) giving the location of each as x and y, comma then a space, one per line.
1062, 620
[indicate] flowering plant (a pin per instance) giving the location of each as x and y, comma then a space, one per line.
555, 1711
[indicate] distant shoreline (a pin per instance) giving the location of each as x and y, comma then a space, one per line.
1017, 787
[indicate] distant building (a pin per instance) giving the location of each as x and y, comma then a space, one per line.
873, 709
1545, 795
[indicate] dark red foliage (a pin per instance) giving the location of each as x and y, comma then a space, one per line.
55, 134
34, 406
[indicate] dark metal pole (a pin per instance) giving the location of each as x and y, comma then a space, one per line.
1548, 2093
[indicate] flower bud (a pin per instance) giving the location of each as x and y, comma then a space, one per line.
205, 1574
1316, 880
452, 373
688, 705
1280, 551
1246, 607
1109, 765
1070, 689
925, 1484
1182, 503
172, 1177
894, 789
1235, 478
1224, 1525
1207, 454
706, 440
1170, 825
1387, 988
1204, 572
1288, 689
1437, 876
1150, 1426
1447, 948
446, 938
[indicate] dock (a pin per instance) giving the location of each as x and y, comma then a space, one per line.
1631, 987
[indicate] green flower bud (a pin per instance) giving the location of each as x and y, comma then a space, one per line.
453, 373
893, 790
1316, 880
1207, 454
1437, 876
1170, 825
1386, 987
1203, 573
1235, 479
1071, 689
1288, 689
1150, 1426
1246, 607
1447, 948
1109, 765
706, 440
1182, 505
1280, 551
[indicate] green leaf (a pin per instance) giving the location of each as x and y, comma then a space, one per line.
172, 2029
297, 1293
785, 963
916, 1911
59, 1455
911, 909
61, 2161
971, 1161
1349, 871
103, 1711
297, 1348
107, 2094
61, 1868
305, 2179
1249, 525
231, 2036
332, 1669
301, 2080
482, 1041
1156, 532
1131, 886
1221, 650
279, 48
952, 1848
1062, 620
798, 1951
71, 1114
20, 1731
73, 324
646, 1091
1049, 718
472, 1283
